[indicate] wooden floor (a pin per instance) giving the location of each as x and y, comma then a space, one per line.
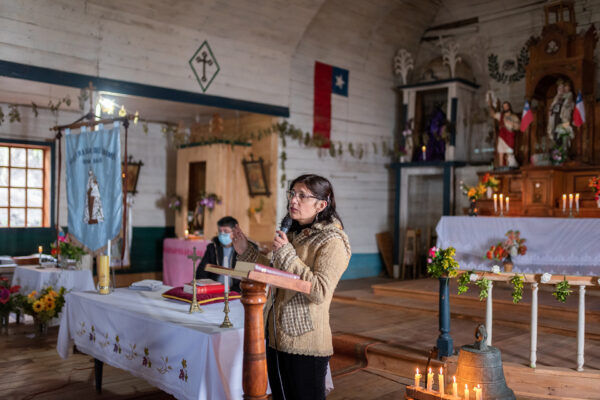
362, 322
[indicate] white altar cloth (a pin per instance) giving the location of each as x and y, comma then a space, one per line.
186, 355
554, 245
29, 277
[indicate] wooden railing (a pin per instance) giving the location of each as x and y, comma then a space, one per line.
535, 280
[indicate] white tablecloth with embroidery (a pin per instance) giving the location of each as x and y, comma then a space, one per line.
30, 277
186, 355
554, 245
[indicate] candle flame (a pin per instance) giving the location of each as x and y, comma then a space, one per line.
478, 386
454, 378
429, 370
417, 371
441, 370
466, 387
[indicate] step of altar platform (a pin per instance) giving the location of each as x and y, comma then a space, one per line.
422, 295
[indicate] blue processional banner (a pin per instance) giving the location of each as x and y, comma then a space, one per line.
94, 186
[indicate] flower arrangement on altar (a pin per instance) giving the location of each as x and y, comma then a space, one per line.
441, 262
66, 248
208, 200
175, 203
8, 297
594, 183
512, 246
43, 306
473, 192
489, 181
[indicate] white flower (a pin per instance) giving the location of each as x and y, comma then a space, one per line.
473, 277
546, 277
496, 269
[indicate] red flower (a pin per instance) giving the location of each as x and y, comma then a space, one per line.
489, 254
54, 252
486, 177
15, 289
4, 295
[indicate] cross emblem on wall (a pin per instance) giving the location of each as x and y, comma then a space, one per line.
205, 65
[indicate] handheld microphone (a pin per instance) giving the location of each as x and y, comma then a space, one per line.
286, 223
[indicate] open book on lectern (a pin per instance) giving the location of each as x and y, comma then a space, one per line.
261, 273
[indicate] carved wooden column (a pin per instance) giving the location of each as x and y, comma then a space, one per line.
254, 373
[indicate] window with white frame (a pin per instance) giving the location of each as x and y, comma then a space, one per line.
24, 185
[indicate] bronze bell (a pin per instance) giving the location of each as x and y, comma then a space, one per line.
480, 364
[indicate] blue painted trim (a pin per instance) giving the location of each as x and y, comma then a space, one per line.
363, 265
453, 113
396, 253
433, 83
52, 173
56, 77
448, 172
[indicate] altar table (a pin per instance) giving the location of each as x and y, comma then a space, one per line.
30, 277
177, 268
186, 355
554, 245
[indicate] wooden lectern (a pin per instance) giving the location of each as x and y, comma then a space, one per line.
254, 370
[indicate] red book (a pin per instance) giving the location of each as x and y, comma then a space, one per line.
207, 289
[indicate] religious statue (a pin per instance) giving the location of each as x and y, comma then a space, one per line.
436, 136
559, 127
93, 204
508, 124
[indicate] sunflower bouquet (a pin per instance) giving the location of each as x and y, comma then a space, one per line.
473, 192
45, 305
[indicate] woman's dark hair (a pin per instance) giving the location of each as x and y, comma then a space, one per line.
323, 190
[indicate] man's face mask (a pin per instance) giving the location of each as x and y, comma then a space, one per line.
225, 239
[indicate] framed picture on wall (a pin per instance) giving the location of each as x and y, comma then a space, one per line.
133, 172
256, 178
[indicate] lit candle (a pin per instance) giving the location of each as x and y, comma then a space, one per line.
186, 233
454, 387
495, 203
424, 150
429, 380
417, 379
564, 202
441, 381
466, 392
507, 203
501, 202
103, 274
570, 201
577, 202
478, 392
40, 249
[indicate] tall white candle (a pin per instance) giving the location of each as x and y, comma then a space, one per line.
564, 197
495, 203
501, 202
441, 381
478, 392
454, 387
570, 201
466, 392
226, 283
429, 380
577, 201
507, 204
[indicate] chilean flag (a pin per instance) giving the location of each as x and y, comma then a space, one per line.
328, 80
579, 111
526, 117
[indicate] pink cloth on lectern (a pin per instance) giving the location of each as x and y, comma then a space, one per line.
177, 267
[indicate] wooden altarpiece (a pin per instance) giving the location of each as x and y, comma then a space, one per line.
254, 370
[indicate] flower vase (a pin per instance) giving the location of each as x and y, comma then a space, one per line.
473, 208
4, 323
488, 192
508, 264
40, 328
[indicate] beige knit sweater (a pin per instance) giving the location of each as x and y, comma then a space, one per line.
320, 255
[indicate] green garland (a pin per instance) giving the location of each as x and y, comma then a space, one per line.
484, 286
463, 282
517, 293
563, 290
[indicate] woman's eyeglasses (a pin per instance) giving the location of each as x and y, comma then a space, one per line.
302, 198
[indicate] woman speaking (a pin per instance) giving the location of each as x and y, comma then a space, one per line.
317, 249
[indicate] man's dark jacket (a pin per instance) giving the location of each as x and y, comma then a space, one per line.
214, 255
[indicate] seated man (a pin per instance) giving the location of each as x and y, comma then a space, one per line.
220, 252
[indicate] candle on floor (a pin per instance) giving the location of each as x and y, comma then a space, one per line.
429, 380
454, 387
570, 201
507, 204
495, 203
441, 381
466, 392
564, 197
501, 202
417, 379
478, 392
424, 151
577, 202
103, 274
